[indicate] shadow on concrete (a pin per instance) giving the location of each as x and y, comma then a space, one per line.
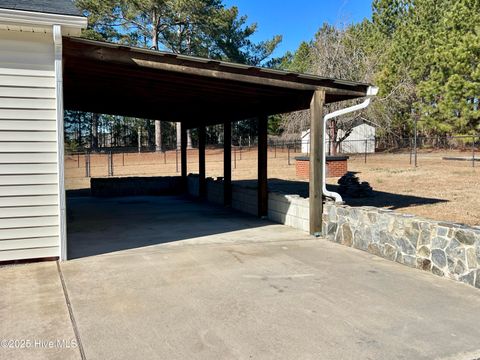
379, 199
103, 225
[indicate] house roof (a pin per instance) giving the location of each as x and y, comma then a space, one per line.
62, 7
116, 79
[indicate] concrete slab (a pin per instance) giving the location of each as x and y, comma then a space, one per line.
304, 299
104, 225
244, 288
222, 286
35, 322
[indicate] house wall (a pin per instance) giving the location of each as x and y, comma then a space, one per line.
29, 215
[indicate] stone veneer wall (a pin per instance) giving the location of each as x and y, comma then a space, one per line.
445, 249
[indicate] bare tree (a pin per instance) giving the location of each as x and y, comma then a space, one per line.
94, 132
334, 53
158, 135
179, 137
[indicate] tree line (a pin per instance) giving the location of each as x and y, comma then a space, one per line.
205, 28
423, 54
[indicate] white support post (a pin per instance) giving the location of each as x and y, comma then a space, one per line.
62, 213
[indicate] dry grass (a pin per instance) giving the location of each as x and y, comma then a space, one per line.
448, 190
437, 189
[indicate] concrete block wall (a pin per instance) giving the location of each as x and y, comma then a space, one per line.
290, 210
214, 191
193, 185
245, 199
136, 186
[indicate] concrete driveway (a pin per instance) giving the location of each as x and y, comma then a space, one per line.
254, 290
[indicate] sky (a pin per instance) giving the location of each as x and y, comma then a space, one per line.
298, 20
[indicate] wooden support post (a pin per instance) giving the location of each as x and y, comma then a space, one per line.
202, 189
262, 166
183, 155
227, 163
317, 149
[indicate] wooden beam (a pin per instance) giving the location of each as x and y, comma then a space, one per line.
183, 155
262, 166
316, 160
227, 163
140, 58
201, 162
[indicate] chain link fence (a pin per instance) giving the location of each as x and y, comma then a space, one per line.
81, 165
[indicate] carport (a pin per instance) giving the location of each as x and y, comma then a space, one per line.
119, 80
45, 68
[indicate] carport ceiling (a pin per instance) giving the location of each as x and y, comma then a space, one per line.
114, 79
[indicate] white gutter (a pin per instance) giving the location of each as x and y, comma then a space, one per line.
32, 21
371, 91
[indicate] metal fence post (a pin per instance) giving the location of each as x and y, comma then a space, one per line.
288, 150
165, 157
234, 157
176, 159
110, 164
415, 142
411, 150
78, 159
366, 145
473, 151
87, 164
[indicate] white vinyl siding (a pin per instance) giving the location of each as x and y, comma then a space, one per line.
29, 215
355, 142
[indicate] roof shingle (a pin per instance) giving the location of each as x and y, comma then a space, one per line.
62, 7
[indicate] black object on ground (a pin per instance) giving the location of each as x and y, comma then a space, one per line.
351, 186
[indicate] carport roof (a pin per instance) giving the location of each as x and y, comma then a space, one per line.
116, 79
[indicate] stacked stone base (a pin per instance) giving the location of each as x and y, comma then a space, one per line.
445, 249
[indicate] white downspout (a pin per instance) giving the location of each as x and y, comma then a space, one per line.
371, 91
62, 213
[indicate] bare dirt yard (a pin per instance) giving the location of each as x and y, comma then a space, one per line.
437, 189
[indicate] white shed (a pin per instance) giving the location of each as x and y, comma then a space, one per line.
32, 196
360, 139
